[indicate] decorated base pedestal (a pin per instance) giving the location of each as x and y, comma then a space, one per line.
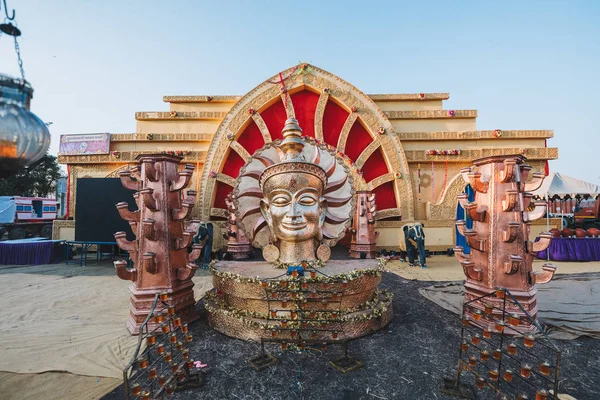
253, 299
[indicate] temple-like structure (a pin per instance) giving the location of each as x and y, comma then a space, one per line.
406, 149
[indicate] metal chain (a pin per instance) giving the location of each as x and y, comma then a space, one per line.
18, 50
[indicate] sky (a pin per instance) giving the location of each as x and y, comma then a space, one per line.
521, 64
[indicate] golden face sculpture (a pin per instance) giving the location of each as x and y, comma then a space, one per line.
293, 207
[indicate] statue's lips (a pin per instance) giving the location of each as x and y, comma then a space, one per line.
295, 226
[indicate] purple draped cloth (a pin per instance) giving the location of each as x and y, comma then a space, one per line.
572, 249
27, 253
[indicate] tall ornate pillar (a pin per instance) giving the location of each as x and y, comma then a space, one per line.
363, 226
161, 262
502, 254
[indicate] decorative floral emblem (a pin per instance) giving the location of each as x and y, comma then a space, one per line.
251, 111
445, 152
421, 95
451, 113
523, 151
353, 109
497, 133
230, 137
149, 136
327, 91
209, 98
381, 130
212, 174
398, 175
173, 114
115, 154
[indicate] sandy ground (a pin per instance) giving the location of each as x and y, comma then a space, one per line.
408, 327
444, 268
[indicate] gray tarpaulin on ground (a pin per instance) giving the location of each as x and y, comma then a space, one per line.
569, 305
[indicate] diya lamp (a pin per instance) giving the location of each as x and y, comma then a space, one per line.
493, 374
304, 304
312, 315
477, 315
313, 274
324, 346
165, 328
294, 314
522, 396
173, 338
274, 333
480, 382
324, 285
283, 284
150, 340
313, 294
323, 324
284, 346
152, 374
294, 274
168, 357
284, 323
497, 354
487, 333
499, 326
171, 310
163, 296
464, 346
541, 394
511, 349
313, 335
500, 293
525, 370
177, 321
189, 337
284, 304
528, 340
170, 389
545, 368
145, 395
273, 314
179, 346
294, 295
162, 380
472, 361
180, 375
273, 294
334, 335
334, 315
304, 264
475, 339
304, 324
160, 349
293, 334
185, 354
136, 389
466, 321
184, 328
484, 355
158, 318
142, 363
489, 309
344, 284
189, 364
304, 285
508, 375
174, 367
513, 319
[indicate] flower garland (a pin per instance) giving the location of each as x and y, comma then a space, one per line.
173, 114
209, 98
212, 174
115, 154
379, 306
432, 182
497, 133
310, 264
149, 136
251, 111
419, 180
327, 91
398, 175
353, 109
421, 96
340, 278
451, 113
381, 130
445, 152
230, 137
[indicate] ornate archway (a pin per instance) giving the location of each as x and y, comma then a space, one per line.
328, 109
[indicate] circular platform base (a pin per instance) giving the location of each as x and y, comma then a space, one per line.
340, 301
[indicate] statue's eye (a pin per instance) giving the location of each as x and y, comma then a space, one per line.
307, 201
281, 200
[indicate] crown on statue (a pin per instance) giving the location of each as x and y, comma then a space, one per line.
293, 161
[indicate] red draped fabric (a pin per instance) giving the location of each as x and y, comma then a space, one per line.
305, 106
274, 118
374, 166
333, 122
251, 139
221, 192
358, 140
385, 197
233, 164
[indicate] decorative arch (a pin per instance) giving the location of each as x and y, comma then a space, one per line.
329, 109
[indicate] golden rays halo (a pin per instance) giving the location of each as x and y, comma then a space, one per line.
339, 191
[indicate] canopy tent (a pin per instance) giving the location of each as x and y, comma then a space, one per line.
561, 186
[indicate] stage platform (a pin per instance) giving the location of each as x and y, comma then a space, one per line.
32, 251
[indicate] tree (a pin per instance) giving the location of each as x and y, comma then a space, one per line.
36, 180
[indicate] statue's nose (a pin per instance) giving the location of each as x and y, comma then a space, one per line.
294, 210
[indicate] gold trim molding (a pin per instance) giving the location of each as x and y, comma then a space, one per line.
201, 99
166, 115
124, 157
532, 153
161, 137
475, 135
431, 114
409, 96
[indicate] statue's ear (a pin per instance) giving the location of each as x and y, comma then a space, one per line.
323, 205
264, 209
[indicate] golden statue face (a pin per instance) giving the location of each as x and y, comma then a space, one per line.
293, 206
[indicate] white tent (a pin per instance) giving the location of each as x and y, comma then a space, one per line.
560, 185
